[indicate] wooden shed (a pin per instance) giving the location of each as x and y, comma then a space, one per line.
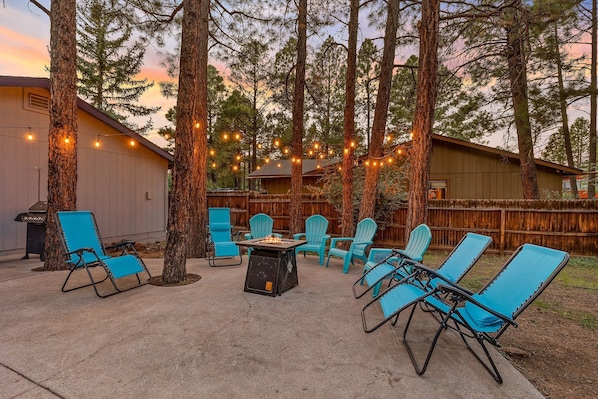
464, 170
275, 177
122, 176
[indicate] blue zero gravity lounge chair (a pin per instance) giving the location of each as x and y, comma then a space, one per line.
315, 235
455, 266
84, 249
364, 236
220, 243
391, 262
483, 316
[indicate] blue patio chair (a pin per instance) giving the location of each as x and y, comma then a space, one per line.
483, 316
364, 236
455, 266
316, 227
220, 243
389, 262
260, 226
84, 249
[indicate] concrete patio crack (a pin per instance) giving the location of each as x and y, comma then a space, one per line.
32, 381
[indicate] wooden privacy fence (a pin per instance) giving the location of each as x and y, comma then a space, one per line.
570, 225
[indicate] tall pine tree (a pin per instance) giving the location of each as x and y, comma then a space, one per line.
108, 60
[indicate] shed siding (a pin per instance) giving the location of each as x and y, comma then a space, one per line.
472, 174
112, 180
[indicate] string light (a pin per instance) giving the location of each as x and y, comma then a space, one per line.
67, 139
132, 142
212, 152
97, 143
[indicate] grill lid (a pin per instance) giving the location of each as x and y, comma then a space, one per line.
37, 213
39, 206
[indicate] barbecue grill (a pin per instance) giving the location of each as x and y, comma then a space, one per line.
36, 228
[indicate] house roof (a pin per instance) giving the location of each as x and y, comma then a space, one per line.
282, 168
20, 81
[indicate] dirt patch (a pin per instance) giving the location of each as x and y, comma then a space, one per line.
562, 359
189, 279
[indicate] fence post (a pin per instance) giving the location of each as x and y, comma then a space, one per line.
503, 223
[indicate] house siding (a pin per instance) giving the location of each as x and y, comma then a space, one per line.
112, 180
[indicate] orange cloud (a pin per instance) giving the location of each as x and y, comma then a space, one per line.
23, 55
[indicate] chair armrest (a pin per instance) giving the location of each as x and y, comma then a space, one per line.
339, 239
421, 270
298, 236
277, 235
248, 236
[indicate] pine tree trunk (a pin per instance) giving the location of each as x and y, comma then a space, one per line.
198, 219
177, 237
423, 120
368, 200
349, 122
295, 211
62, 156
516, 58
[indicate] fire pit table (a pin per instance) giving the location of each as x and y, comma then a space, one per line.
272, 267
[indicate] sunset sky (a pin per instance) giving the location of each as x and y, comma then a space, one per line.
24, 41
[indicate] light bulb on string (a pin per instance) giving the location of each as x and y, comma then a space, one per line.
29, 135
97, 143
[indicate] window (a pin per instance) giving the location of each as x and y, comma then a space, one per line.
437, 189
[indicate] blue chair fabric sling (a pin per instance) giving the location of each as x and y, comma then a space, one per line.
364, 236
84, 249
391, 262
315, 235
424, 280
483, 316
260, 226
220, 243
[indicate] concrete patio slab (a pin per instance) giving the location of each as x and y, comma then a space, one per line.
212, 340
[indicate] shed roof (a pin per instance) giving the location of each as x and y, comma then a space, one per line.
21, 81
314, 167
282, 168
